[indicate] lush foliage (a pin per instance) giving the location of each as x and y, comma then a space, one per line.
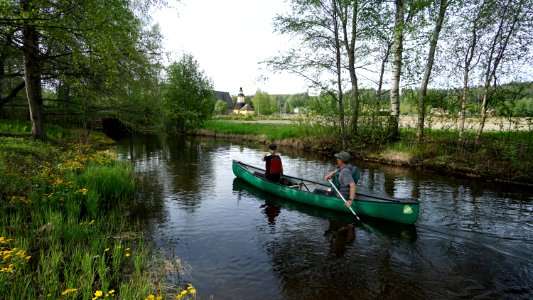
221, 107
264, 104
106, 65
188, 96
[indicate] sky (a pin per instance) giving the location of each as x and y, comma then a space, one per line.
229, 39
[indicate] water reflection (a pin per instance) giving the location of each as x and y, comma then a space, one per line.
472, 239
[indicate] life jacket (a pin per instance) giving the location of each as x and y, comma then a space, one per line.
356, 175
345, 190
275, 166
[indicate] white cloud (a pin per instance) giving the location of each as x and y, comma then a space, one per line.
228, 39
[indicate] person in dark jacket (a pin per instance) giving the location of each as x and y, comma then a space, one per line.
273, 165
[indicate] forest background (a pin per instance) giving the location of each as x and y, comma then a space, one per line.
367, 62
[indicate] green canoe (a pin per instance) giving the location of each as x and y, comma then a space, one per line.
301, 190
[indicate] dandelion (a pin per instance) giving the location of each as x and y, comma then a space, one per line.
191, 289
68, 291
9, 268
4, 240
150, 297
97, 294
83, 191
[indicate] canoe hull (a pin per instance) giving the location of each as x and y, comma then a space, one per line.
388, 209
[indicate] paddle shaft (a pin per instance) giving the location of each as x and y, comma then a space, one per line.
342, 197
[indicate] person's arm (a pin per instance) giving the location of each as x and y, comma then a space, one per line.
353, 189
330, 175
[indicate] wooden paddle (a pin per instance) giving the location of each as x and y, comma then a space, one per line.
353, 212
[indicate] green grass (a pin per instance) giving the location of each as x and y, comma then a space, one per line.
272, 131
62, 223
23, 128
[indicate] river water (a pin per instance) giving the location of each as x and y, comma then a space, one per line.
472, 239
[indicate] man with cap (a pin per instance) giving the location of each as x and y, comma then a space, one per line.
343, 177
273, 165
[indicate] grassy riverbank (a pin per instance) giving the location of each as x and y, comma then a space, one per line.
63, 232
499, 156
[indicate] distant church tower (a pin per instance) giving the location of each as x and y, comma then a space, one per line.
240, 100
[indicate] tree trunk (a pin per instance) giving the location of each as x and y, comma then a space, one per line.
468, 61
382, 70
427, 72
32, 76
349, 44
394, 118
338, 70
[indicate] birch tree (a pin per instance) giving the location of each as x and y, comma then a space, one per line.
512, 18
471, 24
443, 6
397, 50
319, 57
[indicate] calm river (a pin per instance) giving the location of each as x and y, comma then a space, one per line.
472, 239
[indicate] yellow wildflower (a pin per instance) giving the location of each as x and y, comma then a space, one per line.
98, 293
83, 191
68, 291
4, 240
150, 297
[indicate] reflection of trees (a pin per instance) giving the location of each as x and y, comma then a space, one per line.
175, 168
184, 163
144, 153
